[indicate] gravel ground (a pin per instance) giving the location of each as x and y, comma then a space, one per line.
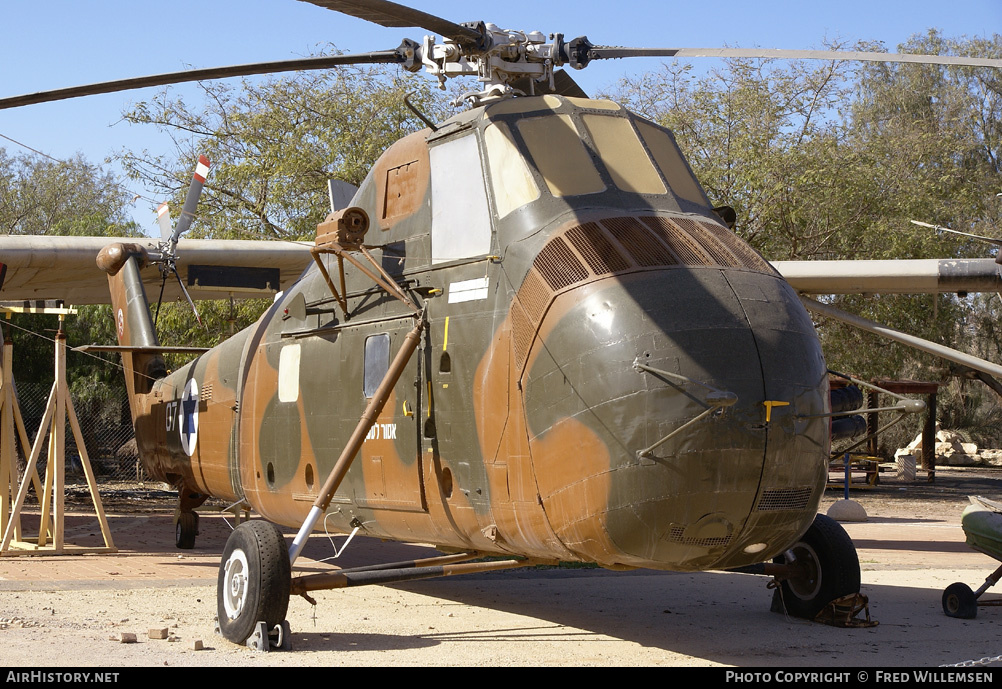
911, 547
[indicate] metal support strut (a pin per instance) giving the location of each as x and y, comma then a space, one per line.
444, 566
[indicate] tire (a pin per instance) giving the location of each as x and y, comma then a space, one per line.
254, 580
831, 569
185, 530
959, 601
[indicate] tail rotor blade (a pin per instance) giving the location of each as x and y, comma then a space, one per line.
191, 202
163, 219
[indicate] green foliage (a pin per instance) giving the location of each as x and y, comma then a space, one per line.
177, 325
831, 161
973, 408
40, 196
761, 137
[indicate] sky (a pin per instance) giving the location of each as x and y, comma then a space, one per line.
48, 44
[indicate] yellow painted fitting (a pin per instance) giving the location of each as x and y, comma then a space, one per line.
769, 404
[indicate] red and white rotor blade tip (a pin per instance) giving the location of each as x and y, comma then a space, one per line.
163, 219
191, 201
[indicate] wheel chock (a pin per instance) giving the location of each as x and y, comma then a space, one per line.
844, 611
261, 639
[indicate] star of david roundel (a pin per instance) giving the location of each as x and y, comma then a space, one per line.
187, 417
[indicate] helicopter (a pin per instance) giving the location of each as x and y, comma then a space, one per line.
528, 335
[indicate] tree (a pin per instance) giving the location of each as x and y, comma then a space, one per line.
274, 144
758, 135
41, 196
832, 162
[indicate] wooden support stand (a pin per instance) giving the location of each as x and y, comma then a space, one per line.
10, 416
59, 408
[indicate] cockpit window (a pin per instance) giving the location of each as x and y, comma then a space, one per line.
623, 155
511, 180
556, 149
460, 217
673, 166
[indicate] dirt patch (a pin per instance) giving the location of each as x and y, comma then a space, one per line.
945, 497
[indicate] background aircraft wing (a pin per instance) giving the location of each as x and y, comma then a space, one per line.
914, 276
911, 276
48, 267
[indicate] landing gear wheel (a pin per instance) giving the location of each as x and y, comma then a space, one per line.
185, 530
254, 580
829, 569
959, 601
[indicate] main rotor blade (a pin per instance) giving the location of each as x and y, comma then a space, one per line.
308, 63
918, 343
612, 52
940, 228
386, 13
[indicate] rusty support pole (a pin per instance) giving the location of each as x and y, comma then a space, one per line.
341, 300
339, 580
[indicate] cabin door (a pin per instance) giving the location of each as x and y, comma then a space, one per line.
390, 457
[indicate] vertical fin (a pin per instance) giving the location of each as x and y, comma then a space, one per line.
133, 321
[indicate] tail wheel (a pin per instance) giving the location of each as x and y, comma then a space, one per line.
254, 580
959, 601
185, 530
829, 569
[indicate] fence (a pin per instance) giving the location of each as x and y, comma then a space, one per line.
107, 434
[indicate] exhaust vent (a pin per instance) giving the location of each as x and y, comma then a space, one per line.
643, 247
782, 499
597, 250
676, 534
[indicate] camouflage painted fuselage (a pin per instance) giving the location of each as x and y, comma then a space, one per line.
517, 426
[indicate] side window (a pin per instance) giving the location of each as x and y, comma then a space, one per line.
288, 373
460, 217
377, 362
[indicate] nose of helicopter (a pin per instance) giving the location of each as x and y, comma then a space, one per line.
642, 454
